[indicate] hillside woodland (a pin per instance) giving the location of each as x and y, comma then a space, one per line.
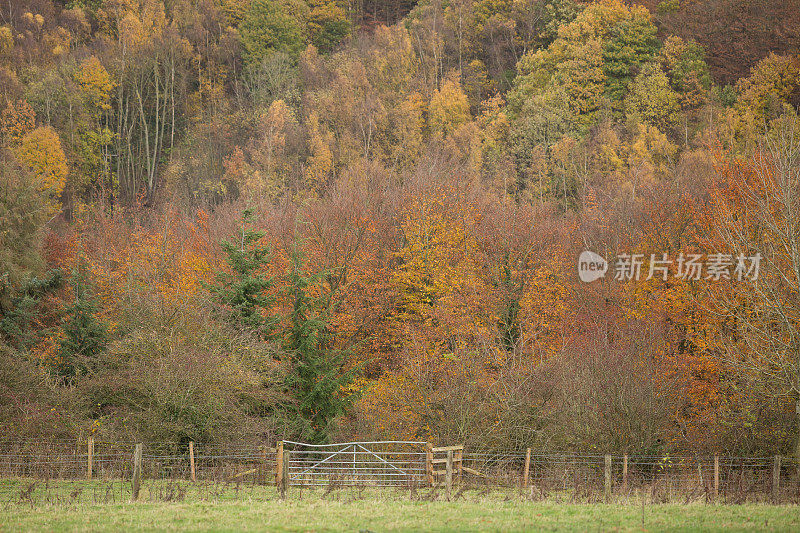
247, 220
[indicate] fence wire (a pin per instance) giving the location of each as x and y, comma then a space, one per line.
33, 472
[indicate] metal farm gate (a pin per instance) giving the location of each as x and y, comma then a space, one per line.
376, 464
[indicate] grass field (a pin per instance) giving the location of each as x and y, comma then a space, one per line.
353, 511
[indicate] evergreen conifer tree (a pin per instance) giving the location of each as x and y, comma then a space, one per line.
16, 321
85, 337
317, 377
245, 291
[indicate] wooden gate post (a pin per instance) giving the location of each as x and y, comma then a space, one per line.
449, 473
191, 459
625, 473
429, 462
460, 460
776, 478
285, 481
89, 457
137, 471
607, 491
279, 464
527, 471
716, 477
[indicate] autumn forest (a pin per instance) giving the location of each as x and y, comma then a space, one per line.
248, 220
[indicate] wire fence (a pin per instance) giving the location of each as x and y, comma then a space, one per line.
36, 472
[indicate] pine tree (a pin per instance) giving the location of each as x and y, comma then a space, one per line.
16, 321
85, 337
317, 377
245, 291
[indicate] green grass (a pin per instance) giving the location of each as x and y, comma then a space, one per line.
260, 509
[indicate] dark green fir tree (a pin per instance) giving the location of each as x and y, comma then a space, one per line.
245, 290
85, 337
318, 378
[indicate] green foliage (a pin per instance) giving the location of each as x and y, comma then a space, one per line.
508, 323
591, 62
245, 291
91, 5
567, 100
85, 337
557, 13
95, 169
22, 215
632, 44
690, 65
667, 7
271, 26
652, 100
327, 24
727, 95
317, 378
16, 322
684, 62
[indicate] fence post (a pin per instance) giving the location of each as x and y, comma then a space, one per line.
607, 491
285, 481
279, 464
527, 471
449, 473
191, 459
716, 477
625, 473
776, 478
89, 457
460, 461
137, 471
429, 462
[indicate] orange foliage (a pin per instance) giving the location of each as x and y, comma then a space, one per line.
17, 120
168, 263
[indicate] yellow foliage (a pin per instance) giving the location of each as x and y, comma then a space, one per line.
320, 164
771, 83
649, 156
439, 278
6, 38
543, 308
449, 108
267, 176
408, 122
131, 32
96, 82
40, 152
